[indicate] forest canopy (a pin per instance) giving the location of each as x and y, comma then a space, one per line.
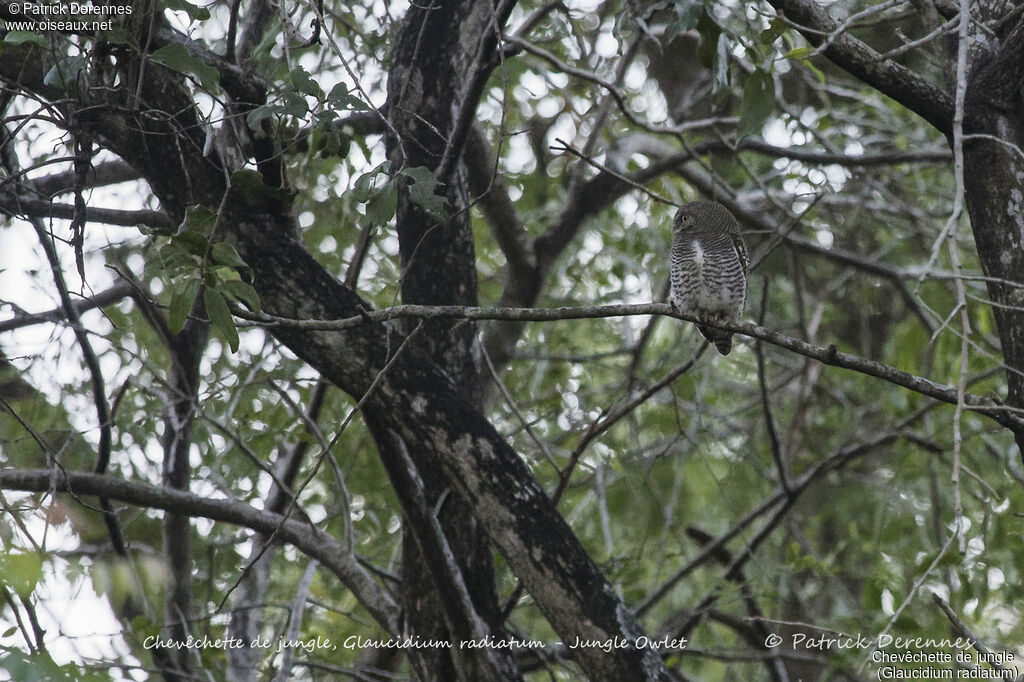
335, 342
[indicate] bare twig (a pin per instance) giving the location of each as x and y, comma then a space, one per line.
964, 631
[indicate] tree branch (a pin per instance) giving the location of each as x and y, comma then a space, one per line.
492, 194
829, 355
114, 294
37, 208
307, 538
100, 175
861, 60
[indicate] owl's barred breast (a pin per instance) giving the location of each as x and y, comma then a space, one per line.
707, 277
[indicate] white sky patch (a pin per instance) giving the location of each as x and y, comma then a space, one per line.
636, 76
558, 79
593, 244
328, 245
606, 46
629, 206
563, 128
888, 603
549, 107
588, 6
520, 157
775, 133
996, 578
836, 176
532, 85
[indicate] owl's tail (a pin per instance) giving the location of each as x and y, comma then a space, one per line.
721, 338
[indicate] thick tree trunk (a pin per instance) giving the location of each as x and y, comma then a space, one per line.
994, 183
442, 600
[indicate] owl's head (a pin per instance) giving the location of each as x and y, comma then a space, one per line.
703, 217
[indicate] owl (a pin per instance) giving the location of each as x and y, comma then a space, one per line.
709, 266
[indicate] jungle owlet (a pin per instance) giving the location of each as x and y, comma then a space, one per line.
709, 268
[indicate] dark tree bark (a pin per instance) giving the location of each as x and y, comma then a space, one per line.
428, 63
994, 184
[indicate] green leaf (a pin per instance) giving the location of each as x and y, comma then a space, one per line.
305, 84
175, 57
333, 143
225, 254
22, 37
175, 258
382, 204
775, 29
758, 103
181, 305
257, 115
119, 36
220, 316
363, 187
222, 274
64, 72
710, 35
688, 13
819, 74
294, 105
721, 71
21, 571
338, 92
422, 191
799, 52
199, 219
192, 242
244, 293
340, 98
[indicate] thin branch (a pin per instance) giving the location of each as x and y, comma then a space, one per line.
878, 158
99, 391
506, 226
37, 208
295, 616
100, 175
769, 418
954, 256
958, 625
829, 355
910, 595
114, 294
947, 27
851, 20
566, 147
